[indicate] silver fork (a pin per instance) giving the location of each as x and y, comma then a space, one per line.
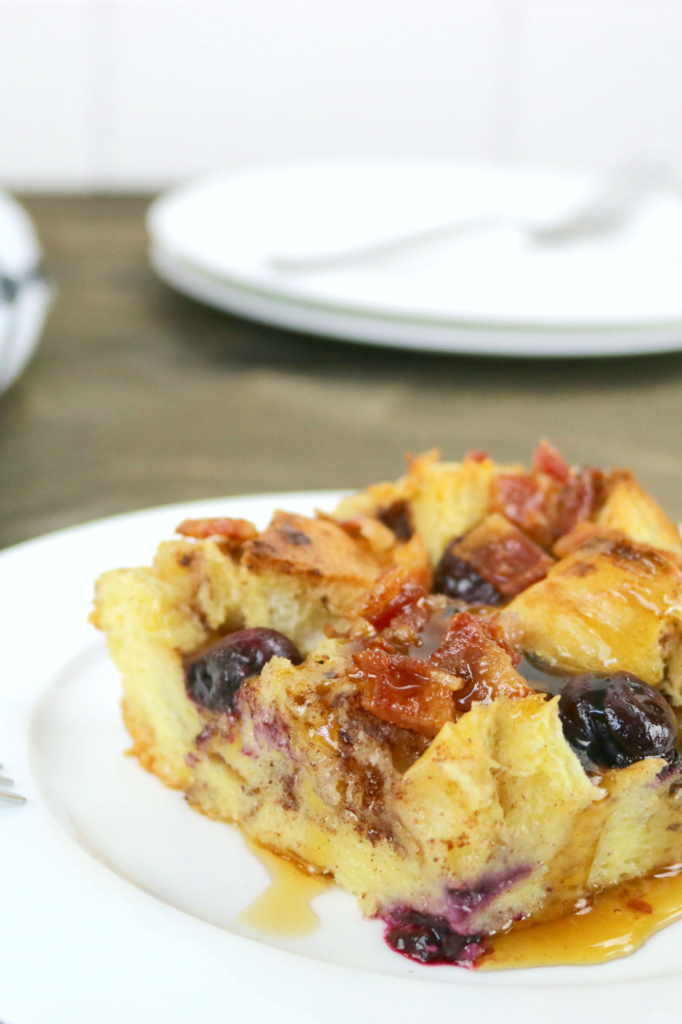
605, 211
5, 794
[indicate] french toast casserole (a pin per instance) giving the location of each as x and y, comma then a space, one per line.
458, 694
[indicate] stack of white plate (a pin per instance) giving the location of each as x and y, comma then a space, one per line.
300, 247
24, 294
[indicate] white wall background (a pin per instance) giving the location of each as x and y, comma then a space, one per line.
134, 94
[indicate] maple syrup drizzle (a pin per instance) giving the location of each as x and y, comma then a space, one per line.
284, 908
612, 924
608, 926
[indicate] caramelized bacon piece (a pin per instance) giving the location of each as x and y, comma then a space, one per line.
505, 630
475, 652
472, 663
404, 691
395, 594
580, 499
400, 587
575, 539
546, 459
398, 595
545, 509
522, 499
235, 531
503, 556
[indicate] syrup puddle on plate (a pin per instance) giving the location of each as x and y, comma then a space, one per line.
284, 908
613, 924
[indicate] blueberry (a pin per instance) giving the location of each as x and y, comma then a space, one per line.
613, 721
430, 939
214, 676
456, 578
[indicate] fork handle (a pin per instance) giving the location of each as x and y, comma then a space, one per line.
387, 247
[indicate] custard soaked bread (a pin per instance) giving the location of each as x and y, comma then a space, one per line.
457, 695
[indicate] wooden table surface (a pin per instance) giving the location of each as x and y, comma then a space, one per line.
138, 396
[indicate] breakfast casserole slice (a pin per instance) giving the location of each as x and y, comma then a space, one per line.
457, 695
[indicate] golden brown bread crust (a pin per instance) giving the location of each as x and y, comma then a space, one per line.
300, 575
632, 511
315, 548
610, 606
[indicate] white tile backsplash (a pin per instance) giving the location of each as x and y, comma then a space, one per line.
128, 94
599, 83
47, 109
208, 85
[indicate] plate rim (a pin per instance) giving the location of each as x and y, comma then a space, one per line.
412, 335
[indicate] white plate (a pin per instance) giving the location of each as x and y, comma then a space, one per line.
21, 320
494, 280
118, 903
425, 337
